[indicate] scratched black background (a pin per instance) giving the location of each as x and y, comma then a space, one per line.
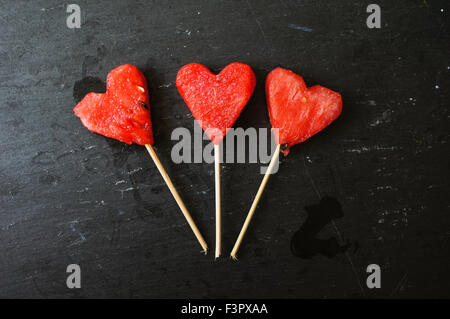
71, 196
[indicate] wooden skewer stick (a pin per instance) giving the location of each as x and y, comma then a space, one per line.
177, 197
218, 206
274, 159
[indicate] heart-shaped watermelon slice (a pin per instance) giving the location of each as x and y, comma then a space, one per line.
123, 112
216, 100
296, 111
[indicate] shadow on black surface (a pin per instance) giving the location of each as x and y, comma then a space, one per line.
87, 85
304, 243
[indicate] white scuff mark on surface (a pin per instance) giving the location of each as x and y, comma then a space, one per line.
299, 27
52, 8
203, 192
135, 170
7, 227
100, 203
365, 149
257, 21
75, 230
386, 187
384, 118
83, 190
401, 284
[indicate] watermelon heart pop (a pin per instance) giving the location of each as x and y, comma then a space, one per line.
297, 112
123, 113
216, 102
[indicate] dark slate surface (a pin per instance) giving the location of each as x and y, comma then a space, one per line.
70, 196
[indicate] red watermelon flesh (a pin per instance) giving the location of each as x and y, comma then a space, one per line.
216, 100
296, 111
123, 112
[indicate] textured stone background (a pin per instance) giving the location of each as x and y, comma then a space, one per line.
71, 196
